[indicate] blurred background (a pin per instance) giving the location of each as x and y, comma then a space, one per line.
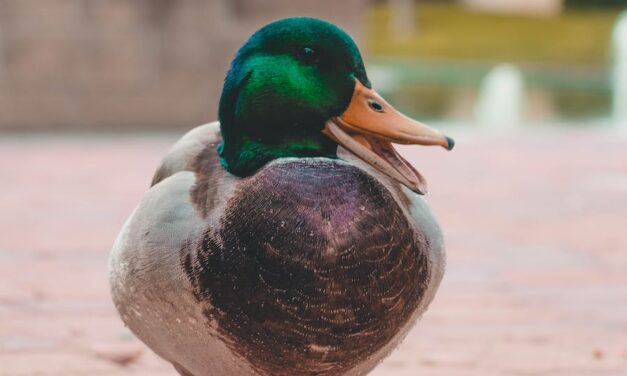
158, 64
533, 200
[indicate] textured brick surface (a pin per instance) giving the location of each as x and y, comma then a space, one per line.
536, 227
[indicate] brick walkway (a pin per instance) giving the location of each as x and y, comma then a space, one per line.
536, 226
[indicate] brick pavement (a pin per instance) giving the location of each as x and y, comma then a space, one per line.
535, 225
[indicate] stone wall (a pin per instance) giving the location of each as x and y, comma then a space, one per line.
130, 64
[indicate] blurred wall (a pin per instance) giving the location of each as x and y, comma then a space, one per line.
535, 7
130, 64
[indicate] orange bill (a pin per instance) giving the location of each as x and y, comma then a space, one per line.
368, 128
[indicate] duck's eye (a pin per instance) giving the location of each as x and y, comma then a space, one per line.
308, 55
376, 106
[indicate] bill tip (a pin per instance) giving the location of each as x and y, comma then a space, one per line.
451, 143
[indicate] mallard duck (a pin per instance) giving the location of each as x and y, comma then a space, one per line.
289, 238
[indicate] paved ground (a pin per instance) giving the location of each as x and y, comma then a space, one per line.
536, 226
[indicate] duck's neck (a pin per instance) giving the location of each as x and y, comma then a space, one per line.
243, 154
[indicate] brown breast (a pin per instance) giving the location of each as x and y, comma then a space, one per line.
312, 269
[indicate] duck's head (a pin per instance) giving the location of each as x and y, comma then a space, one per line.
298, 88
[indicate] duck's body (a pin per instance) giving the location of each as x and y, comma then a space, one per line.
324, 275
263, 248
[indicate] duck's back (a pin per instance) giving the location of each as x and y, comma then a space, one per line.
310, 266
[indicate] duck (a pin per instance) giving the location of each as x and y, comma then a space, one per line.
289, 237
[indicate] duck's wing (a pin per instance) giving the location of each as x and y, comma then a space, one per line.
424, 218
186, 152
148, 282
149, 285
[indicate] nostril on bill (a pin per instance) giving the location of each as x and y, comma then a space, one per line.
376, 106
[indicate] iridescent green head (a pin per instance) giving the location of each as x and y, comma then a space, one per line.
285, 82
298, 88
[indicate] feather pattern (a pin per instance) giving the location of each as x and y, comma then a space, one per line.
309, 266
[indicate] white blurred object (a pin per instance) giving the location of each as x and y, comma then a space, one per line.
385, 79
619, 80
535, 7
501, 99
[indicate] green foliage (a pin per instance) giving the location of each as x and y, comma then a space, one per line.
576, 36
595, 3
582, 104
